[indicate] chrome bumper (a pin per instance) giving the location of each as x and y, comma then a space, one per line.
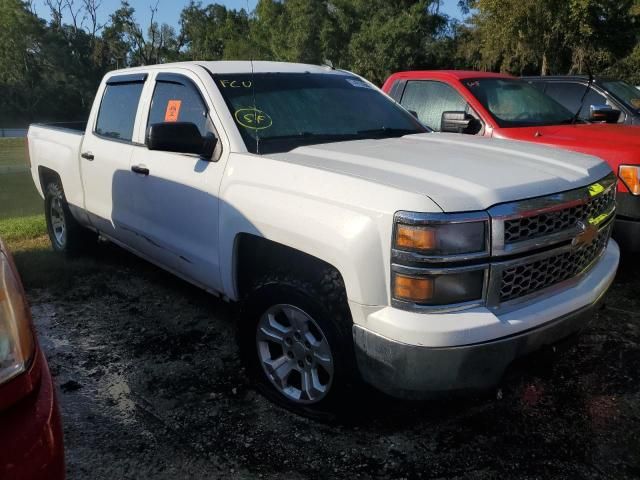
409, 371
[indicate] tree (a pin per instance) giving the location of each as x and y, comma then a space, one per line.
547, 36
125, 43
371, 37
215, 33
20, 61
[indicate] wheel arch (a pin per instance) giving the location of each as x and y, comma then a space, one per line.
47, 175
256, 256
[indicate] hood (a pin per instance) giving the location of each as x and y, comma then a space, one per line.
459, 173
614, 143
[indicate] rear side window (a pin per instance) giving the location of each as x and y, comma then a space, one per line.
430, 99
179, 102
117, 114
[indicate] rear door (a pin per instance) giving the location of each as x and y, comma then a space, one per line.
106, 153
176, 204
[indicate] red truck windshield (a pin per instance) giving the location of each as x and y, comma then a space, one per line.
277, 112
515, 103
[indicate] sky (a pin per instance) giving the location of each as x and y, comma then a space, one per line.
169, 10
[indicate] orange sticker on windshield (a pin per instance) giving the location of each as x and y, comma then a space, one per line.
173, 111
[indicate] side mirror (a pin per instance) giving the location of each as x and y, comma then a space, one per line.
180, 137
414, 113
457, 122
603, 113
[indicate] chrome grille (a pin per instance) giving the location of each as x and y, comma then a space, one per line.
548, 223
521, 280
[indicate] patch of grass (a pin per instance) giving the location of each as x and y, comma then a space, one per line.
12, 151
18, 196
22, 229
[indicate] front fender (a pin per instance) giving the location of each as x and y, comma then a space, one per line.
347, 239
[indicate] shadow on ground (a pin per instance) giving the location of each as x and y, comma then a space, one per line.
152, 387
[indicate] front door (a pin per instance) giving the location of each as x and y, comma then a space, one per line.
175, 198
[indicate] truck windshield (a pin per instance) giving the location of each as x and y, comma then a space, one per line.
277, 112
515, 103
625, 92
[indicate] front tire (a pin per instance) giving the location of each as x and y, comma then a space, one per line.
296, 339
66, 234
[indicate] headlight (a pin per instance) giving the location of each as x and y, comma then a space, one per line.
436, 259
630, 176
439, 289
16, 339
441, 234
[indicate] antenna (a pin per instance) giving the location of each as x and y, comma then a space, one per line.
584, 95
253, 87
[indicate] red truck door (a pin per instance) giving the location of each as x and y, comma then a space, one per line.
430, 99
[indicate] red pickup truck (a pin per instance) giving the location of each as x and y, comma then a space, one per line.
501, 106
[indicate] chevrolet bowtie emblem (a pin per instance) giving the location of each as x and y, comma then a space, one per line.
587, 233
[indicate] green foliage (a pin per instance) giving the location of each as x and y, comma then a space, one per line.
215, 33
49, 72
547, 36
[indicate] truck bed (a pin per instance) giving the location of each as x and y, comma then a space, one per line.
56, 147
77, 127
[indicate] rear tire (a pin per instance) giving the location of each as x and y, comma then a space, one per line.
295, 337
66, 234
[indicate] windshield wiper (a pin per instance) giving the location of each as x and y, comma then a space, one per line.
311, 136
389, 132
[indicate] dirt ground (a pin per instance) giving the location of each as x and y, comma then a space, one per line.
150, 386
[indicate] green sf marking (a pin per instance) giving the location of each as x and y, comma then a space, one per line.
253, 118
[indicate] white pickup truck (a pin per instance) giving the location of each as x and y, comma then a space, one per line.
361, 246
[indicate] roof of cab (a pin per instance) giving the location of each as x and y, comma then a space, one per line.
448, 74
239, 66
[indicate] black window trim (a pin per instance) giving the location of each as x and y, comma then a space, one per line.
397, 89
121, 80
130, 78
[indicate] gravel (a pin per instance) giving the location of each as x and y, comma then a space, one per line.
151, 386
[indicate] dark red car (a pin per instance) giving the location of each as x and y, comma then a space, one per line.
30, 431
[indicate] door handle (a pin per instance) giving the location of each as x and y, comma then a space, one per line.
87, 155
140, 169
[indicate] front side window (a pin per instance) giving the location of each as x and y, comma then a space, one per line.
430, 99
570, 94
515, 103
179, 101
625, 92
118, 109
277, 112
